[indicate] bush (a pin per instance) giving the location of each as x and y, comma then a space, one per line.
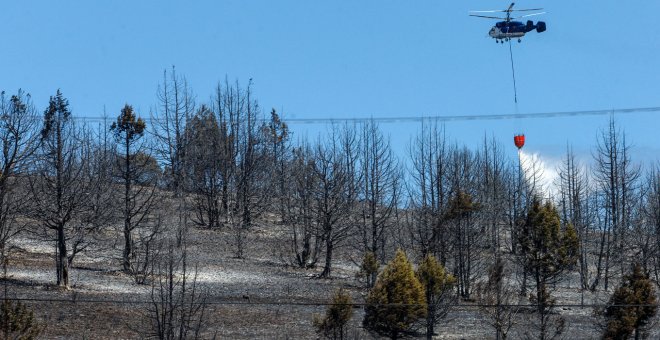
17, 321
338, 313
631, 306
369, 268
397, 300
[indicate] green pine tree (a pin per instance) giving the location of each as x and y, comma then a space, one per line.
338, 313
570, 246
397, 300
631, 306
546, 253
438, 288
369, 268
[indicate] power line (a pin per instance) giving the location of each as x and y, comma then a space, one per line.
556, 114
293, 303
412, 119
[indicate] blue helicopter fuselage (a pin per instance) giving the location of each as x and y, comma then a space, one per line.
514, 29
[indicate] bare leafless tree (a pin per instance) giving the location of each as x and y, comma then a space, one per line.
147, 247
649, 220
300, 213
429, 193
251, 175
516, 202
641, 240
332, 198
466, 242
468, 234
18, 139
244, 168
378, 191
178, 305
576, 204
176, 106
494, 186
279, 151
101, 204
616, 179
138, 199
227, 105
205, 160
492, 192
60, 191
499, 299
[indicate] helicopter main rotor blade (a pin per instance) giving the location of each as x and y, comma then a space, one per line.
491, 11
526, 10
528, 15
487, 17
508, 10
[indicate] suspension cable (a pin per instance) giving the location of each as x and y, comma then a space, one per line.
513, 73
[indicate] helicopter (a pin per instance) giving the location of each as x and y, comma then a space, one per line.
510, 29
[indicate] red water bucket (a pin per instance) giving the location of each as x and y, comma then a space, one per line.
519, 140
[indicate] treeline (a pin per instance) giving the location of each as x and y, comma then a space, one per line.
222, 165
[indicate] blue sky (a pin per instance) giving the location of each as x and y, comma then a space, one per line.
347, 59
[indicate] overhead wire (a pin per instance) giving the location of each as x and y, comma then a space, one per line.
422, 118
319, 303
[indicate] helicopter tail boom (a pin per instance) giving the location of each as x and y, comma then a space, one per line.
539, 27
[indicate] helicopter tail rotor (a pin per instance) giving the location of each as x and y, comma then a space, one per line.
540, 26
